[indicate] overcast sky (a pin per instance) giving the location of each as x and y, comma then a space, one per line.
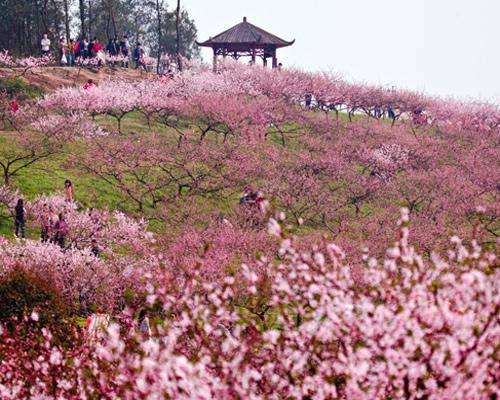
444, 47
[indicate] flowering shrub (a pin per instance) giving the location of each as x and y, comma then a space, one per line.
234, 315
407, 327
110, 229
81, 277
246, 101
63, 128
23, 290
215, 252
388, 159
8, 197
23, 64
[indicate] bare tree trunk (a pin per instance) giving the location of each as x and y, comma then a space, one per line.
56, 20
178, 35
158, 14
44, 14
108, 36
113, 21
137, 32
82, 17
6, 177
90, 18
66, 19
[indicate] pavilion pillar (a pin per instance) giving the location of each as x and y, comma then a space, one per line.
215, 60
253, 56
275, 59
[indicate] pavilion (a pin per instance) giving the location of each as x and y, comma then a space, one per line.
246, 40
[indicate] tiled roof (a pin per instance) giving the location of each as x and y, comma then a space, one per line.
246, 33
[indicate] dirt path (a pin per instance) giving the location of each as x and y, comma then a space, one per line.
52, 78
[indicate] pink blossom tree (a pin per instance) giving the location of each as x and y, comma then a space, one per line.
408, 327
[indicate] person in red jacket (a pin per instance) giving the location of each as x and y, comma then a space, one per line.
89, 84
75, 48
14, 106
96, 51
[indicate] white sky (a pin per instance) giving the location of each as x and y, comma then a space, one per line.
443, 47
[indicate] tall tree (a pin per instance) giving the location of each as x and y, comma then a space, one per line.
82, 16
185, 47
158, 14
66, 18
23, 22
178, 35
90, 18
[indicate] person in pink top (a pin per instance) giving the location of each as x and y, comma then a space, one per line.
68, 190
61, 231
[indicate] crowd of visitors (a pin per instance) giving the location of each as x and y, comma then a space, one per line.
55, 230
254, 205
252, 198
53, 227
117, 51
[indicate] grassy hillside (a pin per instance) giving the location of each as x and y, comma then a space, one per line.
346, 179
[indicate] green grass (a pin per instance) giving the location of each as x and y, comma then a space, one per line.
47, 176
16, 86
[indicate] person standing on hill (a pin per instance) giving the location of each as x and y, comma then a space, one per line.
91, 48
61, 230
96, 48
125, 50
76, 48
83, 48
70, 52
144, 326
308, 100
94, 248
139, 57
88, 85
97, 52
14, 106
20, 220
63, 58
111, 47
45, 45
68, 190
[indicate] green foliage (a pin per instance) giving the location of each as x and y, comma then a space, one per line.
23, 291
135, 18
16, 86
48, 176
22, 22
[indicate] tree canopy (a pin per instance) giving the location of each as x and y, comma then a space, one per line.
150, 22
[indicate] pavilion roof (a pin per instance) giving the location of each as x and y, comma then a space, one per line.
246, 33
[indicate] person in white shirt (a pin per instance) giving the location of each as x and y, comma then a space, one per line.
125, 50
45, 43
144, 326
